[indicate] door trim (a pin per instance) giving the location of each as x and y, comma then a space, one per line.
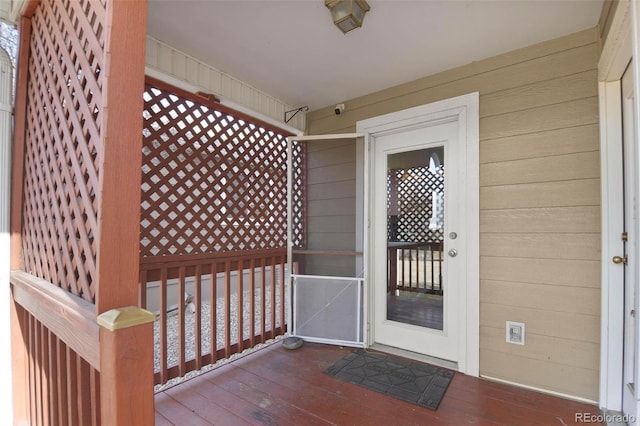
616, 54
463, 110
612, 297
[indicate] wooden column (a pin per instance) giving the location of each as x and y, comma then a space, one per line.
19, 355
126, 355
20, 129
121, 156
126, 334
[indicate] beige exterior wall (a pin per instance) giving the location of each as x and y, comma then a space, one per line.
331, 206
539, 204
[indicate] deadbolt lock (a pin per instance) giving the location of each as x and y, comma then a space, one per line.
618, 260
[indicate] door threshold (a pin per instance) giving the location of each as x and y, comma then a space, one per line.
438, 362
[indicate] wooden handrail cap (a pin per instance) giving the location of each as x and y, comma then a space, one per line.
129, 316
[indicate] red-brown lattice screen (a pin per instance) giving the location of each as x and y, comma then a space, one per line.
414, 199
63, 144
211, 181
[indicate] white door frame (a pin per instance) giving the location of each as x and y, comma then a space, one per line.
621, 46
440, 343
465, 111
359, 243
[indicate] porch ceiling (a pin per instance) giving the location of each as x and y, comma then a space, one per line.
291, 50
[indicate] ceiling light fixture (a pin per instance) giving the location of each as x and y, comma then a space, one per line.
347, 14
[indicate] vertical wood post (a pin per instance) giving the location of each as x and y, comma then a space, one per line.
19, 356
20, 130
126, 334
19, 366
121, 156
126, 367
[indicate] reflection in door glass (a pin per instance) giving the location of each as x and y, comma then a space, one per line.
415, 228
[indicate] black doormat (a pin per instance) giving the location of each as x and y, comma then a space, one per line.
411, 381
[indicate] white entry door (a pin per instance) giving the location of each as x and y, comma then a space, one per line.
418, 244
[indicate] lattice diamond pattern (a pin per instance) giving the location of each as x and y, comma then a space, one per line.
298, 199
63, 143
415, 191
211, 182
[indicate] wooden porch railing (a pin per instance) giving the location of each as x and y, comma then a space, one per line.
62, 356
210, 306
74, 370
415, 267
81, 355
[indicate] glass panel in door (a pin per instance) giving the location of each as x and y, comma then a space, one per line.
415, 227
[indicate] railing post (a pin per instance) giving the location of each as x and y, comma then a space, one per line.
126, 367
19, 366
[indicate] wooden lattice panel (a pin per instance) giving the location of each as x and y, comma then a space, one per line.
211, 182
63, 143
298, 194
415, 187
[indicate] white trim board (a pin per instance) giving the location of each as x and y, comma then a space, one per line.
612, 294
6, 392
540, 390
620, 47
465, 111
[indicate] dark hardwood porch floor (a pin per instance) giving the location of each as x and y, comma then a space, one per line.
415, 309
274, 386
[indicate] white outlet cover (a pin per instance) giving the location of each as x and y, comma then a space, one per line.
515, 332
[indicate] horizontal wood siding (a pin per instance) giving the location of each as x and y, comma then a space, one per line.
331, 184
539, 204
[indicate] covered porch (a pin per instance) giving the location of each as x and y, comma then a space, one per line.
275, 386
185, 227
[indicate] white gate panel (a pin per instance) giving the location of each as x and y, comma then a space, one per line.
328, 309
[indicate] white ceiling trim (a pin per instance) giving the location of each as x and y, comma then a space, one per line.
10, 11
164, 61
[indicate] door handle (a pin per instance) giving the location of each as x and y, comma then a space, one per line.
617, 260
453, 253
